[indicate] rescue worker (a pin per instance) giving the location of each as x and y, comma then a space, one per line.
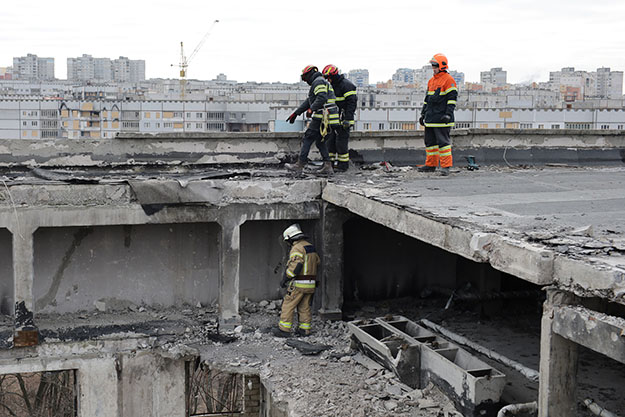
321, 106
437, 115
346, 100
299, 280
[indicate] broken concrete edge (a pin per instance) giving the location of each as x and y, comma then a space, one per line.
597, 331
532, 262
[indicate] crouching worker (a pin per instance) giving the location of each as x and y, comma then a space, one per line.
299, 280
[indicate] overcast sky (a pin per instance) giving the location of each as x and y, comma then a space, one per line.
273, 40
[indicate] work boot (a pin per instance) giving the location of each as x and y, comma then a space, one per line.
342, 166
302, 333
445, 171
277, 332
326, 169
297, 167
426, 168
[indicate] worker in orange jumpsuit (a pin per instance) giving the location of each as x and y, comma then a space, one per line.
437, 115
300, 281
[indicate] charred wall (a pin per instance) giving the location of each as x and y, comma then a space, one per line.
6, 272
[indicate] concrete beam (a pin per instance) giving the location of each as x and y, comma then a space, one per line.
558, 363
229, 265
591, 279
599, 332
521, 259
26, 333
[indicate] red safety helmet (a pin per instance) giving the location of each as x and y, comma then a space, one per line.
330, 71
440, 61
307, 70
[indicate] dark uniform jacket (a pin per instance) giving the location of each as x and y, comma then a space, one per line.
440, 100
346, 97
320, 95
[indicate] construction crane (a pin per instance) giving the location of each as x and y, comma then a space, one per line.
184, 61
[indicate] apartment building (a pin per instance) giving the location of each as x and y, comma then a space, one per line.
579, 85
88, 68
33, 68
360, 77
495, 76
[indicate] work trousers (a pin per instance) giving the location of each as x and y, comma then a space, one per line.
313, 135
438, 147
296, 299
338, 146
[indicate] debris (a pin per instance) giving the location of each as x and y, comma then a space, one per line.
425, 403
100, 305
583, 231
306, 348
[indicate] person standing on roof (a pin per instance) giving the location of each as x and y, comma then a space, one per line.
346, 100
300, 281
321, 106
437, 115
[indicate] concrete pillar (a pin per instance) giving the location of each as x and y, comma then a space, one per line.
26, 333
229, 261
331, 286
558, 363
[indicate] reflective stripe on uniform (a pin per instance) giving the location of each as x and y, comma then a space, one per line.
451, 101
445, 150
343, 157
300, 284
349, 93
320, 89
291, 274
432, 149
285, 324
449, 90
305, 326
296, 254
439, 124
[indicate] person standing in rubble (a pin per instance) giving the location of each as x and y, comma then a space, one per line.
300, 281
347, 101
437, 115
321, 106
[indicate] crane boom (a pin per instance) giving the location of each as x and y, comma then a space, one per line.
184, 61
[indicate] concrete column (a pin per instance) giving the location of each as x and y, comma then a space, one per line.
26, 333
558, 362
229, 261
331, 286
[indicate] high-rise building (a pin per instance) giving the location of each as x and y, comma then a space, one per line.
403, 76
127, 70
33, 68
496, 76
360, 77
609, 83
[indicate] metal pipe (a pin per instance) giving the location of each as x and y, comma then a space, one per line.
529, 373
514, 409
597, 410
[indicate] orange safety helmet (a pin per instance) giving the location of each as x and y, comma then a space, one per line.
307, 70
330, 71
440, 61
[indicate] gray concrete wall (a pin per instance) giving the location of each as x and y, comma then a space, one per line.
167, 264
496, 146
6, 272
263, 257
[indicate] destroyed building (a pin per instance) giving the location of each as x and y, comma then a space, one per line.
139, 274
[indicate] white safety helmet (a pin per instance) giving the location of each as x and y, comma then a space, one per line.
292, 232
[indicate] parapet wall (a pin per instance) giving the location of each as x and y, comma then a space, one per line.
489, 146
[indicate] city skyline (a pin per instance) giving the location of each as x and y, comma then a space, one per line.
272, 42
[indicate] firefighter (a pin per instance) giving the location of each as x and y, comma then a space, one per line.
299, 280
321, 106
437, 115
346, 100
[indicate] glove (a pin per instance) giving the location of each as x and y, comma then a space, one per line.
291, 118
446, 118
421, 121
284, 281
309, 113
346, 124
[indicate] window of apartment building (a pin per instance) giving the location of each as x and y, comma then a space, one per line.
605, 127
168, 114
526, 125
394, 126
65, 113
619, 127
215, 115
216, 127
188, 125
158, 125
158, 115
146, 125
555, 126
199, 115
541, 126
49, 134
49, 113
199, 125
49, 124
147, 115
130, 125
484, 126
381, 126
24, 123
168, 124
577, 126
177, 114
463, 125
33, 123
408, 126
366, 126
